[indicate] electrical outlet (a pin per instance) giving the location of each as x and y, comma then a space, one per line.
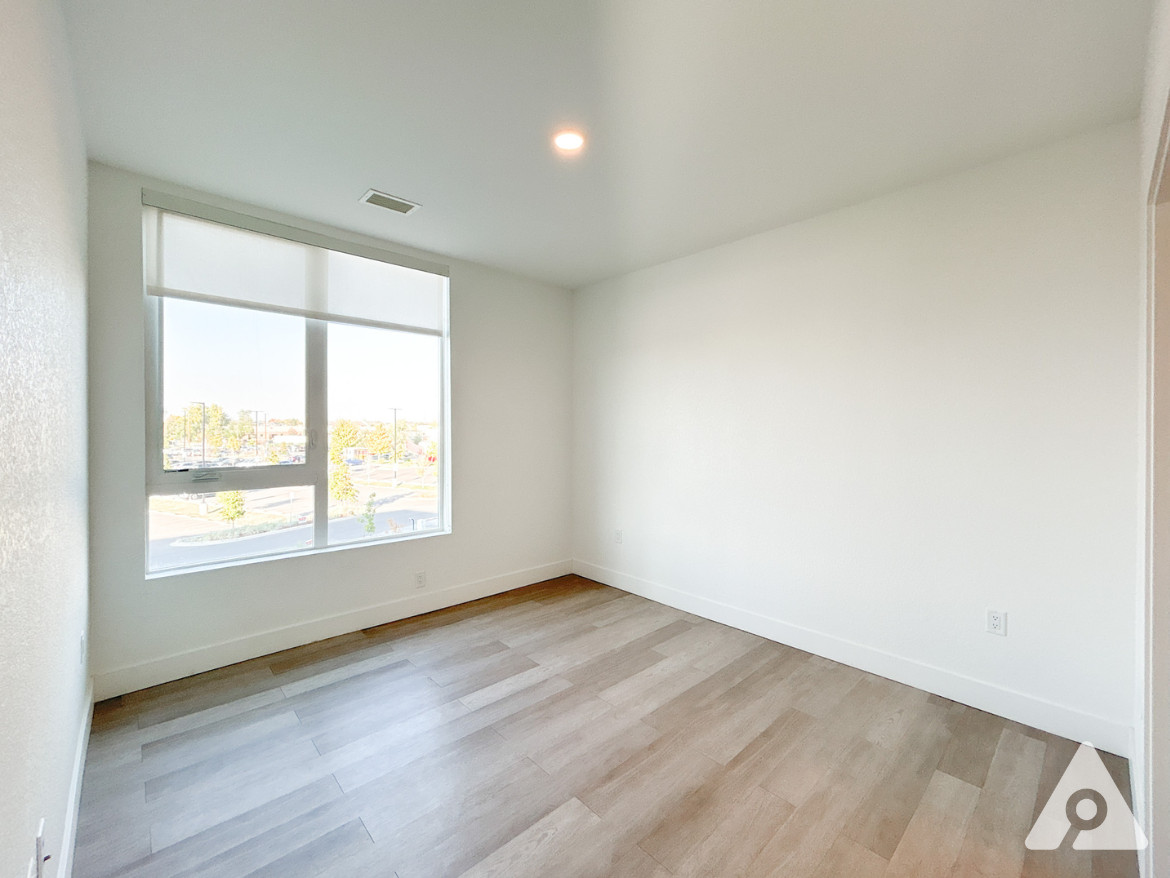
420, 579
997, 622
617, 536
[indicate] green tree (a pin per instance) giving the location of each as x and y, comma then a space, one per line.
232, 439
173, 429
344, 435
245, 428
193, 428
380, 441
428, 460
341, 486
367, 517
231, 506
400, 446
215, 428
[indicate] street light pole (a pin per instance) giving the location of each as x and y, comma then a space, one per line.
395, 446
256, 413
203, 432
260, 421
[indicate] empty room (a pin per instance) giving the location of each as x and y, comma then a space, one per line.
584, 438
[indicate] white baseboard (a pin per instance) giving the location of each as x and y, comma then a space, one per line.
1028, 709
131, 678
1138, 787
69, 837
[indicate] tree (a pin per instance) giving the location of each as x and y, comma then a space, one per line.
193, 428
380, 441
428, 459
231, 506
215, 428
245, 428
341, 487
367, 517
173, 429
343, 435
400, 449
232, 435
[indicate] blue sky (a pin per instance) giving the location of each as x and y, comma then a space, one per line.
246, 359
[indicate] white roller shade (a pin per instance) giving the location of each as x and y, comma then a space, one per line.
253, 263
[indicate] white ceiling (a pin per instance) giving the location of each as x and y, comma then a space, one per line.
707, 120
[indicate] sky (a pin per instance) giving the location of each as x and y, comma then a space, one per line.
255, 360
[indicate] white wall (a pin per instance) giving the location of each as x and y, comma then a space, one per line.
510, 373
1155, 90
1151, 762
1155, 754
43, 556
858, 433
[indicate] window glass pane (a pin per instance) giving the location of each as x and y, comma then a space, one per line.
233, 386
186, 530
384, 432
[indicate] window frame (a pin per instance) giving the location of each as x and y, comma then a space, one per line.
314, 471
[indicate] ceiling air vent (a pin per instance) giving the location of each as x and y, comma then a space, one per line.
381, 199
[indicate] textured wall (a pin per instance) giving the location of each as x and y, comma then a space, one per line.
43, 544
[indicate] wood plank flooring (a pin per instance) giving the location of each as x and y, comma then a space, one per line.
565, 729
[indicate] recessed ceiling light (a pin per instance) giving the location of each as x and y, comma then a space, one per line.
569, 140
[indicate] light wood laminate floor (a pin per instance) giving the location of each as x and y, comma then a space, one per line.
564, 729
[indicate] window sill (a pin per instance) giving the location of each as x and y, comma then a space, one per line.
264, 559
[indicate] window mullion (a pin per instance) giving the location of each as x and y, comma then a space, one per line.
154, 391
226, 479
317, 426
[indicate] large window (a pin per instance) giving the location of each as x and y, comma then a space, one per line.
297, 390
